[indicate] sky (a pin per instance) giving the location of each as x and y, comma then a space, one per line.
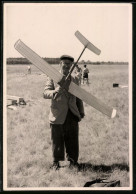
49, 29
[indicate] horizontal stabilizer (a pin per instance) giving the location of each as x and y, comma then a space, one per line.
86, 43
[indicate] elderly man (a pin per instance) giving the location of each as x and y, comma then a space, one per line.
65, 112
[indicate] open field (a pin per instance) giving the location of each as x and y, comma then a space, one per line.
104, 142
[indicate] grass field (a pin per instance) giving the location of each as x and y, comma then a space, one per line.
104, 142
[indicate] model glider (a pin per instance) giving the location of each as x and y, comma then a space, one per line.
74, 89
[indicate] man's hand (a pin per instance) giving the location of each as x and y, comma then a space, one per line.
62, 81
59, 91
65, 83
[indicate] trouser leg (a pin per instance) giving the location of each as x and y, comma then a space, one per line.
57, 137
71, 137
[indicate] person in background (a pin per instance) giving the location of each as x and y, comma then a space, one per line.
66, 111
78, 72
29, 69
85, 74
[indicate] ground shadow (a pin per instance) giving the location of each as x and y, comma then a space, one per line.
103, 168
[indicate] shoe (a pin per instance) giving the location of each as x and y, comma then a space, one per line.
74, 165
55, 165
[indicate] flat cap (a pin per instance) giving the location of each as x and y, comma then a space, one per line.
67, 57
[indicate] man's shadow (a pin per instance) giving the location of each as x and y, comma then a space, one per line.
102, 168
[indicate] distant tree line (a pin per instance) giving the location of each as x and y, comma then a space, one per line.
17, 61
103, 62
24, 61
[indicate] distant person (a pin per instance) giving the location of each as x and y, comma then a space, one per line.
85, 74
79, 74
29, 69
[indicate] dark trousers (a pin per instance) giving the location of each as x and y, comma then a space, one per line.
65, 137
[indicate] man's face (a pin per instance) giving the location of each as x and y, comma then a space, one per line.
65, 66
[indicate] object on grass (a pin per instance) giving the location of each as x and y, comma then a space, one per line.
12, 107
11, 102
115, 85
19, 100
103, 183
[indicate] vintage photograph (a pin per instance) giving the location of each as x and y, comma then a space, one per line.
67, 96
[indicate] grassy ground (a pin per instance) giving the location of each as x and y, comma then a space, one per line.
104, 142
